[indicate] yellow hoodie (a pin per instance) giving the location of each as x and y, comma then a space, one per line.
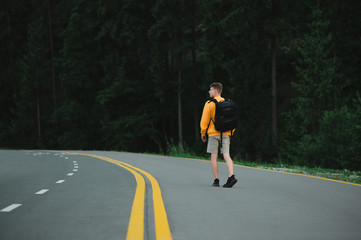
209, 112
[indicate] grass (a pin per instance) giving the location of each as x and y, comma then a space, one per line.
341, 175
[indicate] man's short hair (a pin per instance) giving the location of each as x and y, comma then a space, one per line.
218, 86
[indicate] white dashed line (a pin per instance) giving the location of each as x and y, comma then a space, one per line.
70, 174
42, 191
76, 166
60, 181
10, 208
75, 170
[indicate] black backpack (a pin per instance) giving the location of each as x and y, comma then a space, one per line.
225, 117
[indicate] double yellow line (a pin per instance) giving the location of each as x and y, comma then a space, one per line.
136, 221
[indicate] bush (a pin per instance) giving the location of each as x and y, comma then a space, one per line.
335, 144
177, 150
340, 139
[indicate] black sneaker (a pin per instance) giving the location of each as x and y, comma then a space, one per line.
230, 182
216, 183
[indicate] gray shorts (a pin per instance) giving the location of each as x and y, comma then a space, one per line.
215, 141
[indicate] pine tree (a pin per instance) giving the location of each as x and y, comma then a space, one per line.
129, 108
76, 118
317, 72
169, 46
316, 87
30, 100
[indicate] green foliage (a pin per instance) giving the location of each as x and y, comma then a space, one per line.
317, 71
340, 137
120, 67
336, 145
316, 68
177, 150
314, 112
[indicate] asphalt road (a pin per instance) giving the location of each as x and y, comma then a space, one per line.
95, 202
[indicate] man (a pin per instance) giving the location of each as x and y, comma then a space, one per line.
214, 136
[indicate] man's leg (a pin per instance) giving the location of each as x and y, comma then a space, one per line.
214, 164
225, 149
229, 163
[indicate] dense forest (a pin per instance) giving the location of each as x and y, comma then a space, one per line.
134, 75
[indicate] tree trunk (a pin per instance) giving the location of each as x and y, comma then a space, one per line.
194, 66
10, 48
274, 93
38, 105
180, 126
52, 54
274, 83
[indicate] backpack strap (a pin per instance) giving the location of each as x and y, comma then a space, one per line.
209, 101
215, 102
221, 140
209, 121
